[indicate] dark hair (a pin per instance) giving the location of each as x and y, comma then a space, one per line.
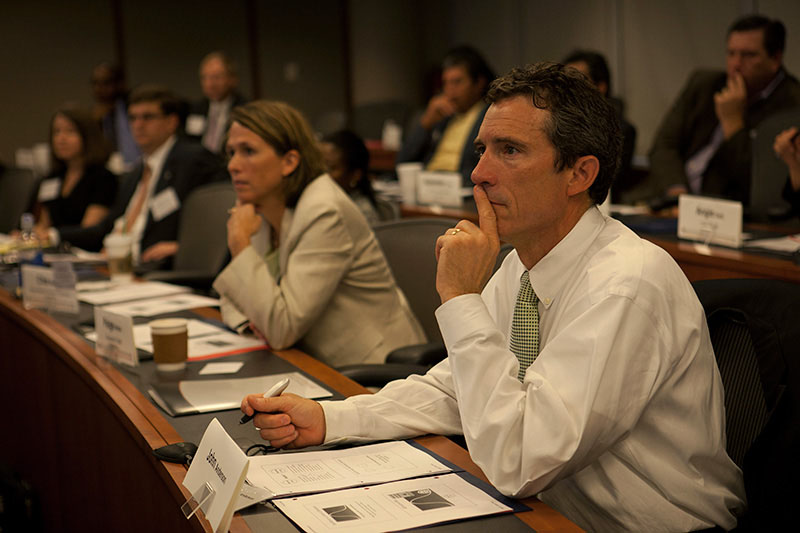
284, 128
168, 102
598, 68
774, 31
581, 121
471, 60
95, 148
355, 156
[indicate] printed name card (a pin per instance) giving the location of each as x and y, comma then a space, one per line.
218, 467
441, 188
115, 337
52, 289
710, 220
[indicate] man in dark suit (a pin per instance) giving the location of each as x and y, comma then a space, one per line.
442, 139
150, 197
209, 117
703, 143
594, 65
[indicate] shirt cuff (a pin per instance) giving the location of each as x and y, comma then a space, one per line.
341, 420
461, 316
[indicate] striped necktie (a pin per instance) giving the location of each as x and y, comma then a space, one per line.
525, 326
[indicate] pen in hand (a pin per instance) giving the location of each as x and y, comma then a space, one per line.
275, 390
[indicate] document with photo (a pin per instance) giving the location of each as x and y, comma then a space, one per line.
303, 473
390, 507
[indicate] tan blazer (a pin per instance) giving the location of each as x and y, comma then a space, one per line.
335, 296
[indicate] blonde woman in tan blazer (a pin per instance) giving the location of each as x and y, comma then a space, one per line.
306, 269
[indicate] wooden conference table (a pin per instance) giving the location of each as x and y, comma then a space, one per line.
80, 431
697, 261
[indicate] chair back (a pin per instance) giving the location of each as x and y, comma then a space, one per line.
768, 173
386, 209
756, 340
202, 236
17, 189
408, 245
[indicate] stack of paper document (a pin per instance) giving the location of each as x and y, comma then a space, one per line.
398, 486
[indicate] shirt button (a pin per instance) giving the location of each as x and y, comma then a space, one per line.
547, 301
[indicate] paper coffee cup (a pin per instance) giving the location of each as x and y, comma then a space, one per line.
170, 343
119, 256
407, 174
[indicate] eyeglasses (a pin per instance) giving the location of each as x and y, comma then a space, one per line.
147, 117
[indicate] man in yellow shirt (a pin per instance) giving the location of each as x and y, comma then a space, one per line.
442, 138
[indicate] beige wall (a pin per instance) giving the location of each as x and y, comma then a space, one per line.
49, 47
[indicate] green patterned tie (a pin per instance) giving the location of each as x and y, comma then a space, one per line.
525, 326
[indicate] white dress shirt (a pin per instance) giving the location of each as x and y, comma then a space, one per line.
619, 423
156, 163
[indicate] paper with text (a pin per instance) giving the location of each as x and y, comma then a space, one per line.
391, 506
302, 473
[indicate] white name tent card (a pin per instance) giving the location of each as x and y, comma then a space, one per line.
710, 220
52, 289
440, 188
115, 337
215, 477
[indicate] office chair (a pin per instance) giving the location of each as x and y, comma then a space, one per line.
386, 209
17, 189
202, 237
768, 173
408, 245
753, 326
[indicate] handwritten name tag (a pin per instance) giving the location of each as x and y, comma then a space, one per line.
219, 465
195, 124
440, 188
164, 204
115, 337
710, 220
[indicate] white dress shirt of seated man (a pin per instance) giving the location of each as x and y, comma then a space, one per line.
153, 130
532, 195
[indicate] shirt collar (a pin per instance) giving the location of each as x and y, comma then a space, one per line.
550, 275
767, 91
156, 160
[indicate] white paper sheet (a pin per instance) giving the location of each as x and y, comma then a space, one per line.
162, 305
789, 244
220, 394
302, 473
205, 340
390, 507
126, 291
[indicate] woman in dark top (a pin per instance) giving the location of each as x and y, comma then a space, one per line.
79, 190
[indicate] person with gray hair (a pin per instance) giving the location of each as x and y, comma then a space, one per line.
582, 371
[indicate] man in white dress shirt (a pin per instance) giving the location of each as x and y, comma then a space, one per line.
619, 421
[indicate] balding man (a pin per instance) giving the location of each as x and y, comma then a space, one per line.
209, 117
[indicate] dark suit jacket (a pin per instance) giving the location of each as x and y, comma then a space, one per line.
420, 145
187, 166
201, 108
688, 127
